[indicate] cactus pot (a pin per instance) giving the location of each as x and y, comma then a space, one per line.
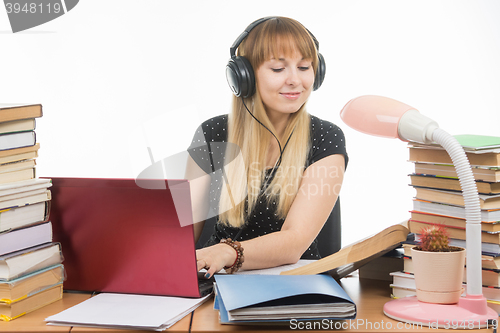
439, 275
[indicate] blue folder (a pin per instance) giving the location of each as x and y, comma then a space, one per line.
235, 292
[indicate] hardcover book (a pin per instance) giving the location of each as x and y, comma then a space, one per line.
491, 201
19, 154
481, 173
30, 284
19, 239
16, 264
492, 227
12, 112
452, 184
19, 217
354, 256
10, 311
23, 125
17, 140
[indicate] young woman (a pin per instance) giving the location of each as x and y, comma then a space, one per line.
271, 196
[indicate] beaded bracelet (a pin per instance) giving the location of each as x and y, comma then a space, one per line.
239, 255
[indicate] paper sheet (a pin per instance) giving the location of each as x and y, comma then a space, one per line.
127, 311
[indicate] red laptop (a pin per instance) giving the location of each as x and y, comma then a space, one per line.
119, 237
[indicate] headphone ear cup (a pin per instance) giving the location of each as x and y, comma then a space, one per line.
320, 72
240, 77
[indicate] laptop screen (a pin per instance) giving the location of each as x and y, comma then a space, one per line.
119, 237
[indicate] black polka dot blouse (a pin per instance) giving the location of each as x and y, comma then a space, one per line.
207, 150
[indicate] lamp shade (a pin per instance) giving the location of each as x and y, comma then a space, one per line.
374, 115
386, 117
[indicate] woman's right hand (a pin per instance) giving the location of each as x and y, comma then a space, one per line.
214, 258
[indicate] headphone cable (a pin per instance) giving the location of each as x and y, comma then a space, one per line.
281, 151
278, 162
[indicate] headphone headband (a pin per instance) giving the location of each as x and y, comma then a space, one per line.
239, 72
244, 34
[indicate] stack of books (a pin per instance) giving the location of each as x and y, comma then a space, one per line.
439, 200
31, 273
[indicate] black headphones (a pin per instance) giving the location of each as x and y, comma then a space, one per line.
239, 72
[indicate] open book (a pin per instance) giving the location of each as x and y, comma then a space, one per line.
352, 257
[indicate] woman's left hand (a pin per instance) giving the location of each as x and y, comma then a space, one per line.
214, 258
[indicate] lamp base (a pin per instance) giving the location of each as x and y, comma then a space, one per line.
411, 310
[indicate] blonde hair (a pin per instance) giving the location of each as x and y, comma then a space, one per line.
272, 38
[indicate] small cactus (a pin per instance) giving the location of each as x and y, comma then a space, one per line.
434, 239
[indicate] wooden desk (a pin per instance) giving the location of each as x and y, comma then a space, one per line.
34, 321
369, 296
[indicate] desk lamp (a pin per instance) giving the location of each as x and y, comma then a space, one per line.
385, 117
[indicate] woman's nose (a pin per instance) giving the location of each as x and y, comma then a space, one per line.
293, 77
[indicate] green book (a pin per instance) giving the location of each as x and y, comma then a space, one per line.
478, 142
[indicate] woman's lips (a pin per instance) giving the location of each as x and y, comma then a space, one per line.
291, 95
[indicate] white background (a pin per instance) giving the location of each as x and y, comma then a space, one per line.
117, 76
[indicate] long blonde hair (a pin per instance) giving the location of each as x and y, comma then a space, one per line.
272, 38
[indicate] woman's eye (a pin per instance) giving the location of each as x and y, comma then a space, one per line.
277, 70
304, 68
